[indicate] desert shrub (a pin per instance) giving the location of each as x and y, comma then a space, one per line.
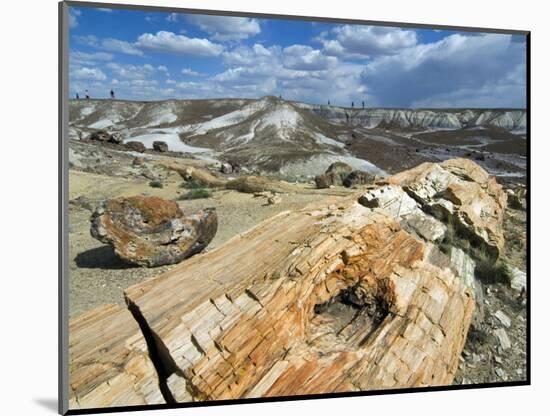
489, 272
193, 184
156, 184
488, 269
196, 193
454, 238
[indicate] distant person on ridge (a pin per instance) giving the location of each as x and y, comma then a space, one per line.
77, 97
112, 95
87, 95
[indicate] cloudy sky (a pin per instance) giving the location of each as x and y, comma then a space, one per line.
152, 56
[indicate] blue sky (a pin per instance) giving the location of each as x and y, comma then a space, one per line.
154, 56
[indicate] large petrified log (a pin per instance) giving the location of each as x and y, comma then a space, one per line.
342, 296
151, 231
249, 328
109, 363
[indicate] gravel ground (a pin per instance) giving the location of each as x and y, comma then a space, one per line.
487, 356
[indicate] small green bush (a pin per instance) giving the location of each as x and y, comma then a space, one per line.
488, 269
197, 193
489, 272
192, 184
156, 184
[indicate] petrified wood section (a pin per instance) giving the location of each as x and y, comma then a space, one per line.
459, 191
151, 231
194, 173
243, 321
108, 361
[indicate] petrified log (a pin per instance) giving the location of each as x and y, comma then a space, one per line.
253, 184
109, 363
151, 231
461, 192
194, 173
268, 313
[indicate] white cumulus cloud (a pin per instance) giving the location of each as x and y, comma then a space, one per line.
90, 74
356, 41
169, 42
305, 57
131, 71
192, 73
225, 28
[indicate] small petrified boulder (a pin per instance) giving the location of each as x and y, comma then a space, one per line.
160, 146
326, 180
235, 166
135, 146
226, 168
334, 175
105, 137
340, 168
150, 231
274, 199
358, 177
517, 198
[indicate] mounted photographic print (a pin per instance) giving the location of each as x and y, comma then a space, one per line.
264, 207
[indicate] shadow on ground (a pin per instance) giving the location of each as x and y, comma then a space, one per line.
101, 258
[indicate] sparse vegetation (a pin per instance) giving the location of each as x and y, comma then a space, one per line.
195, 193
455, 238
489, 272
156, 184
193, 184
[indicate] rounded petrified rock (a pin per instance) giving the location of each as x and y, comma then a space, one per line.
105, 137
160, 146
334, 175
340, 168
358, 177
135, 146
150, 231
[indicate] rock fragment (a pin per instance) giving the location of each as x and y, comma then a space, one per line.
503, 318
503, 339
333, 176
160, 146
106, 137
226, 168
135, 146
519, 280
358, 177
